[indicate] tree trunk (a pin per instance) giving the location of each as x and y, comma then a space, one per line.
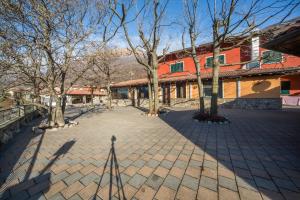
150, 93
201, 95
92, 96
51, 114
155, 91
216, 68
64, 102
59, 116
109, 96
199, 81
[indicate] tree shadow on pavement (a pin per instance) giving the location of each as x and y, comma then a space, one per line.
32, 187
255, 147
112, 161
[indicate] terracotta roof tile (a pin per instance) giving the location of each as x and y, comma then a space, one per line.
207, 75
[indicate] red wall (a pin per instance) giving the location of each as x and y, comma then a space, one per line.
232, 56
287, 61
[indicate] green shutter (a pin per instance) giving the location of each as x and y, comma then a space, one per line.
271, 57
209, 62
222, 59
177, 67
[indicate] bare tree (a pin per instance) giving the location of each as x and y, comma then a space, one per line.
191, 16
58, 32
104, 70
232, 19
149, 22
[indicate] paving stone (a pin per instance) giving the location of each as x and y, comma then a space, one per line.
208, 183
210, 164
146, 171
137, 180
89, 191
285, 184
190, 182
54, 189
73, 178
145, 192
290, 195
249, 194
131, 170
125, 163
39, 188
171, 182
104, 180
161, 171
58, 177
177, 172
152, 163
38, 196
256, 150
180, 164
72, 189
265, 183
22, 186
104, 193
225, 172
75, 197
166, 164
227, 183
208, 172
185, 193
165, 193
226, 194
139, 163
246, 183
270, 195
129, 191
20, 195
86, 180
207, 194
154, 181
194, 172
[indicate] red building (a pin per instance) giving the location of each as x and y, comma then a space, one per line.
250, 76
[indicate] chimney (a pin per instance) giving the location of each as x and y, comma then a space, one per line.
255, 48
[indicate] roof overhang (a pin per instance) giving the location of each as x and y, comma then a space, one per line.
287, 43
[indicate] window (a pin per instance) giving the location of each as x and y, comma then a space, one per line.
119, 93
177, 67
207, 89
209, 61
180, 90
285, 87
271, 57
143, 92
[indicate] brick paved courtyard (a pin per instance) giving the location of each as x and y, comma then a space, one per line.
257, 156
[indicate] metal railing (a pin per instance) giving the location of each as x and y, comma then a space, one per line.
10, 114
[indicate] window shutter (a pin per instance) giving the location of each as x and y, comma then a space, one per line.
177, 67
271, 57
209, 62
221, 59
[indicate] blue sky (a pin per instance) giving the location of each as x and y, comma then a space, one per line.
171, 35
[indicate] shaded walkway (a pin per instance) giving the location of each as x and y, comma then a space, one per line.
171, 157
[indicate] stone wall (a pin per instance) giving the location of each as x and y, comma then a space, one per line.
252, 103
9, 129
238, 103
122, 102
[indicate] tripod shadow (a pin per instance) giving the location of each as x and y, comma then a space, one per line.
112, 158
42, 180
